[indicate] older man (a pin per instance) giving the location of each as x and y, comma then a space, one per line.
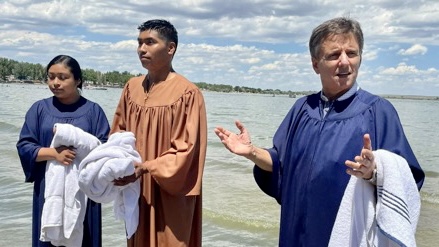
325, 138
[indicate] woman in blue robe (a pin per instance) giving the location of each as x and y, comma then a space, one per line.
66, 106
309, 166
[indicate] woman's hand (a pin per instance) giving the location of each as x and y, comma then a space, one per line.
65, 155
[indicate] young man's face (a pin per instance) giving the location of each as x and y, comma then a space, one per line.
338, 63
154, 52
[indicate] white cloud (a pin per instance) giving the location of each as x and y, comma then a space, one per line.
255, 43
414, 50
402, 79
369, 55
251, 60
401, 69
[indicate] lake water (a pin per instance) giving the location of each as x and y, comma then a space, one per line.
235, 211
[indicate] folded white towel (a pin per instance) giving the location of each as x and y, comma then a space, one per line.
399, 201
111, 160
64, 207
388, 218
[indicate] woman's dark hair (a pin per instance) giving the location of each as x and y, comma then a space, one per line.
70, 63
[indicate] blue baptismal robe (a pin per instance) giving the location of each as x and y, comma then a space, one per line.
37, 132
309, 153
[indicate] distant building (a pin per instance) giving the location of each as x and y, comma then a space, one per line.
10, 78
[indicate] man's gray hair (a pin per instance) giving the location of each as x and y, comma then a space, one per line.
340, 25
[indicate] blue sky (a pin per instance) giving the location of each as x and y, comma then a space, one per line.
253, 43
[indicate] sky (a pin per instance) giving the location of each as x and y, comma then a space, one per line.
252, 43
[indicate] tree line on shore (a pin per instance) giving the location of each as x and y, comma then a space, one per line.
11, 70
23, 71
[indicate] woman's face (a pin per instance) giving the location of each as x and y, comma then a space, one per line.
63, 84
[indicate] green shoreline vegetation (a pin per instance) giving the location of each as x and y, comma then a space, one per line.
12, 71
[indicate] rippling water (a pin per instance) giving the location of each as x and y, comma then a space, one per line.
235, 211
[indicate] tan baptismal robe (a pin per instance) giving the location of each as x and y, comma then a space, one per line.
170, 127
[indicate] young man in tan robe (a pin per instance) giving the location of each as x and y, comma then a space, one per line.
167, 114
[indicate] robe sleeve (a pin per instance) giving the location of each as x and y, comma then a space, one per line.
100, 125
179, 169
270, 182
29, 144
120, 116
391, 137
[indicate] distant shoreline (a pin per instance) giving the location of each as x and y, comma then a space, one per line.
414, 97
387, 96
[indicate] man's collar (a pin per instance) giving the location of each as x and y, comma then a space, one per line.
346, 95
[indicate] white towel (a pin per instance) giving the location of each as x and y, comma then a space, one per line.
388, 218
111, 160
64, 207
355, 216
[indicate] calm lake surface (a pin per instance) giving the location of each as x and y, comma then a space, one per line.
235, 211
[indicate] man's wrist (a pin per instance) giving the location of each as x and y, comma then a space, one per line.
252, 154
373, 179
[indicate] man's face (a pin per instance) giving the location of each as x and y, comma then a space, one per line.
338, 63
154, 52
